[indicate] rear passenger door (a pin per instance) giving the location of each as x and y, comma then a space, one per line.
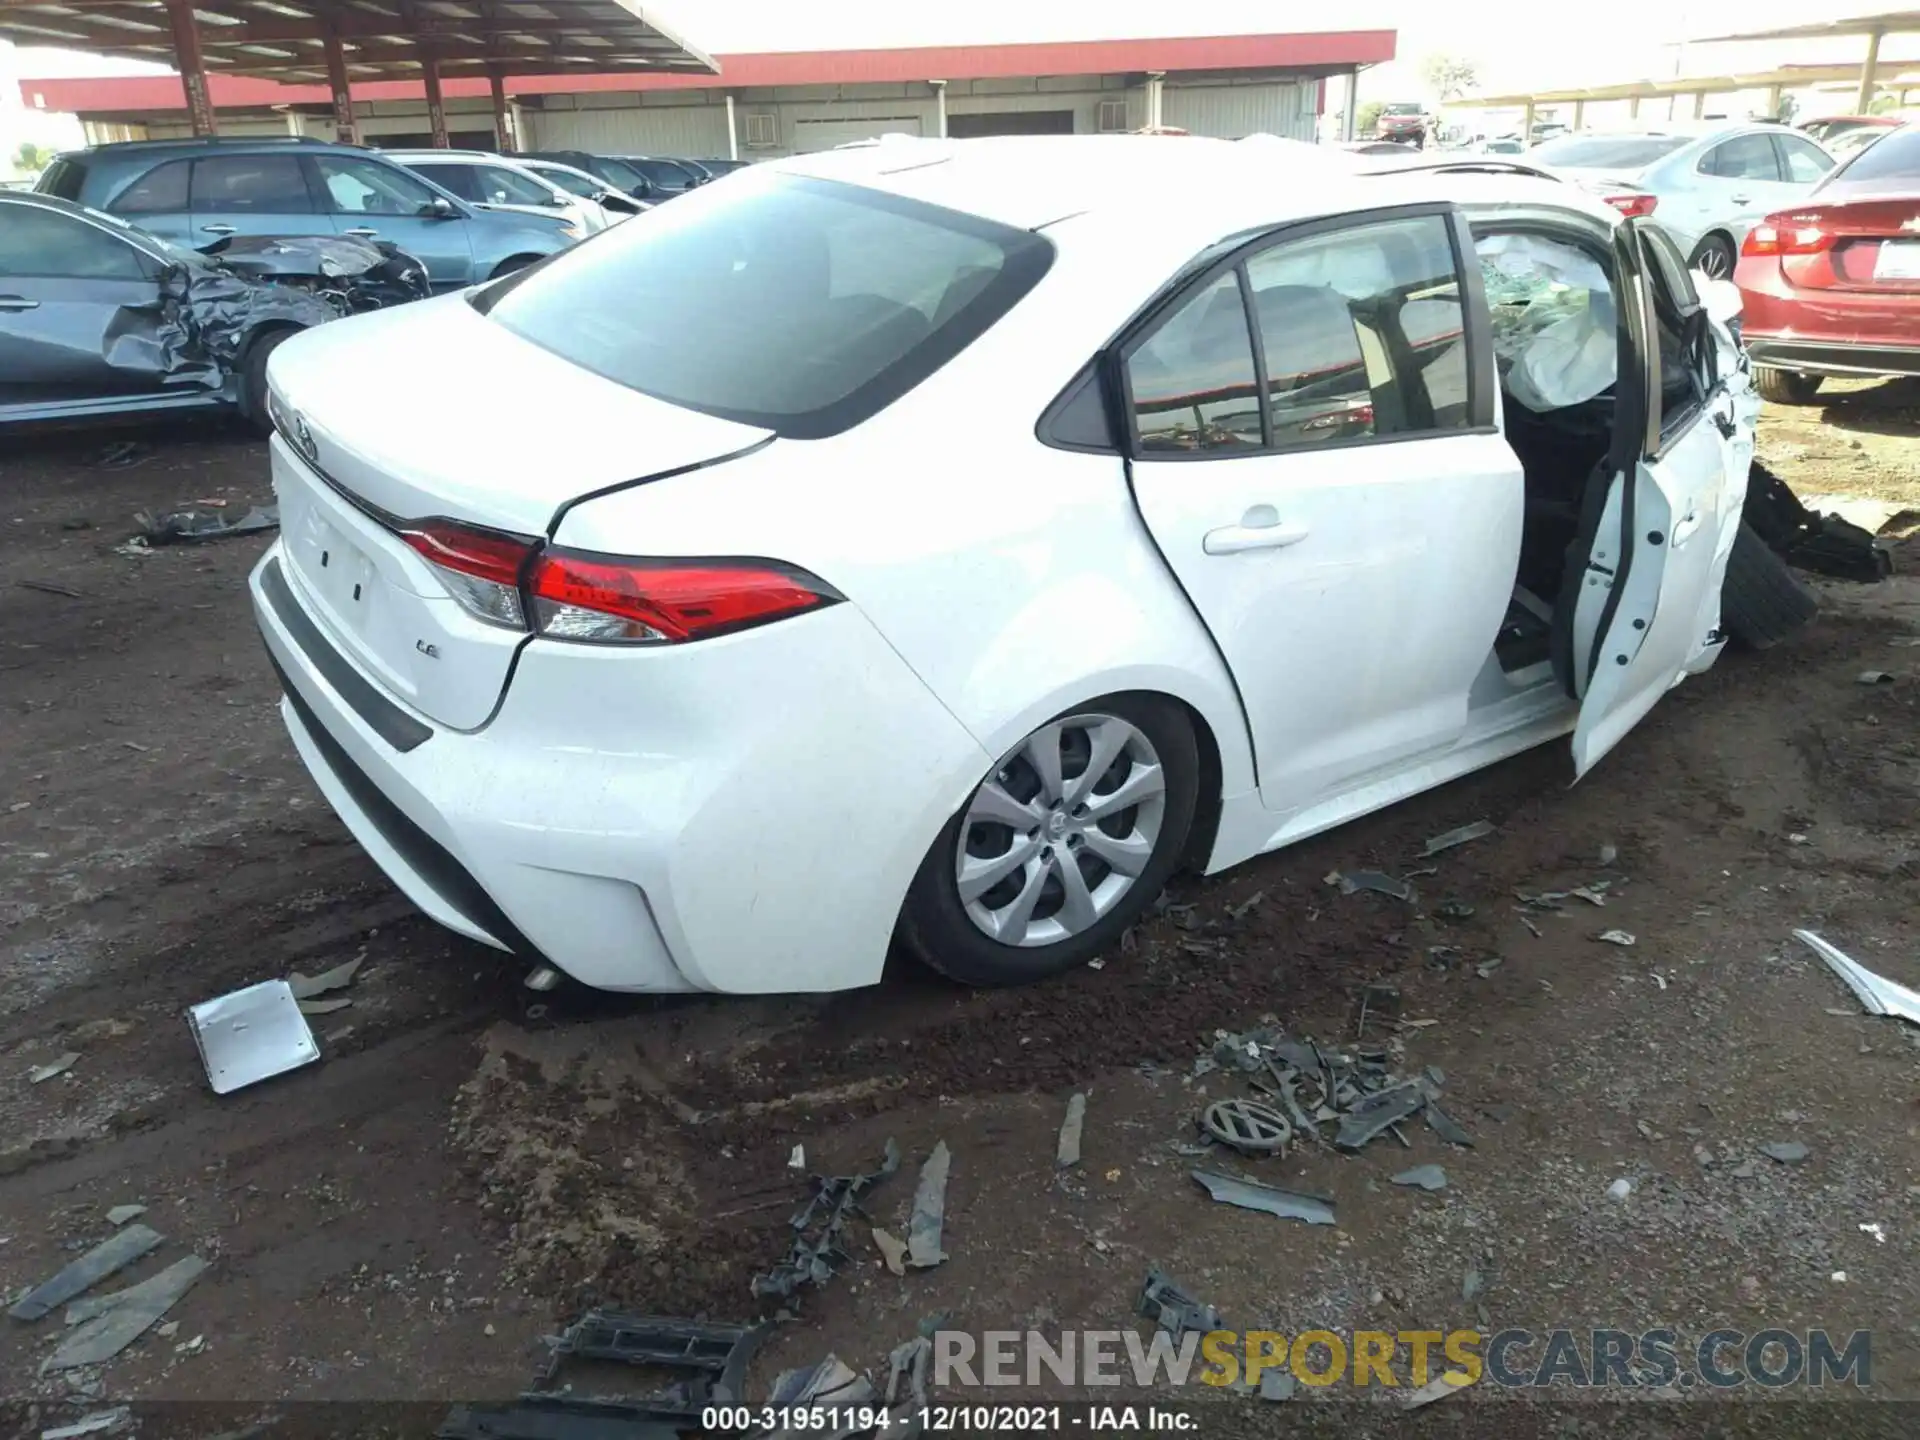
251, 195
1646, 605
1312, 447
1743, 179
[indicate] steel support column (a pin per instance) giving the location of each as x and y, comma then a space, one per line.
346, 129
1869, 75
436, 104
504, 138
192, 65
733, 132
939, 107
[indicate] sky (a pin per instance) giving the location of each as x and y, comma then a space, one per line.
1519, 44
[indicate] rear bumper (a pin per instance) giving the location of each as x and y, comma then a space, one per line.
743, 815
1826, 357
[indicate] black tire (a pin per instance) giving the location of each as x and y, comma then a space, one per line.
1762, 601
253, 379
1714, 255
935, 925
1785, 387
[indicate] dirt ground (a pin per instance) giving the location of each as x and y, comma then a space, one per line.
409, 1217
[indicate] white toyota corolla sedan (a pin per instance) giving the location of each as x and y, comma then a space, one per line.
935, 540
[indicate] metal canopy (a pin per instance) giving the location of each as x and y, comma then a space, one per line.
1790, 77
1888, 22
378, 39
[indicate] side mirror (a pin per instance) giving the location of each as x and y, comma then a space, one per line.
642, 191
440, 208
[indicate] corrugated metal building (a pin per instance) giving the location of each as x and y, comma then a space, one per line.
761, 106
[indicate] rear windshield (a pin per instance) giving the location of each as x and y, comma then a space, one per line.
619, 173
799, 305
1606, 152
1401, 110
663, 173
64, 178
1891, 163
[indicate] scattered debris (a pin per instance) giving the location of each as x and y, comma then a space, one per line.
822, 1402
1173, 1309
907, 1367
711, 1359
1247, 906
1453, 908
1787, 1152
1827, 544
120, 455
816, 1247
1488, 966
121, 1214
1383, 999
249, 1035
1874, 677
1437, 1388
1277, 1384
1592, 894
125, 1316
1745, 1170
47, 587
115, 1253
193, 526
305, 987
1374, 880
59, 1065
1377, 1112
929, 1211
1620, 1189
1839, 1277
1616, 937
1446, 840
1427, 1177
1878, 1232
1247, 1126
1877, 994
1066, 1152
1287, 1204
1473, 1285
798, 1159
1609, 854
324, 1007
98, 1423
893, 1250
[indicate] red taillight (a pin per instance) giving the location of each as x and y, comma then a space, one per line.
1788, 234
1633, 204
480, 568
608, 599
616, 600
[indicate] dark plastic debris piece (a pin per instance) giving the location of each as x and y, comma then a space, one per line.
1787, 1152
1478, 830
1825, 544
181, 527
817, 1249
1173, 1309
114, 1253
1287, 1204
1373, 1115
929, 1211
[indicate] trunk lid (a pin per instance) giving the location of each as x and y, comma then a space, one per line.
1872, 243
434, 411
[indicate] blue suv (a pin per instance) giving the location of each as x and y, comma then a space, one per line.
198, 192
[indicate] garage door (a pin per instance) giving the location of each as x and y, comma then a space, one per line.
1010, 122
809, 135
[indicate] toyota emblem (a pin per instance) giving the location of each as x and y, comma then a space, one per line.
303, 438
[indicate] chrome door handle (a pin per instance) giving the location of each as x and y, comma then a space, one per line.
18, 302
365, 232
1741, 199
1683, 532
1259, 529
218, 229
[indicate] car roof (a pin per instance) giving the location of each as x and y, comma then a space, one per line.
1226, 186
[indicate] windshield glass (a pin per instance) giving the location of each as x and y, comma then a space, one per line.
619, 172
1401, 110
1606, 152
570, 180
664, 173
501, 186
178, 254
1891, 162
800, 305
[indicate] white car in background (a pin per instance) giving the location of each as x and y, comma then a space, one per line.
494, 182
1705, 183
942, 546
614, 205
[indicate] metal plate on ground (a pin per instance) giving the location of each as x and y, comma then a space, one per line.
251, 1034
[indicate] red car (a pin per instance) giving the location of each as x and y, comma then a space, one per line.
1832, 286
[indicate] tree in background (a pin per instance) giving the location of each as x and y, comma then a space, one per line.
1367, 118
1449, 77
32, 158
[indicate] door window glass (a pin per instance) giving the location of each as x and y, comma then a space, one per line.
1804, 161
1362, 332
1681, 331
1192, 383
366, 187
37, 243
501, 186
461, 180
161, 191
250, 184
1745, 157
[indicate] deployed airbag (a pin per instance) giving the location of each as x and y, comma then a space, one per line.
1553, 320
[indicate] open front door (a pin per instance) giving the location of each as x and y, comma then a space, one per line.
1650, 547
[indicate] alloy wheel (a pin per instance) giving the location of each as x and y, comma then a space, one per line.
1061, 830
1714, 262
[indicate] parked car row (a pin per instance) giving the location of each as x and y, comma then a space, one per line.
154, 275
